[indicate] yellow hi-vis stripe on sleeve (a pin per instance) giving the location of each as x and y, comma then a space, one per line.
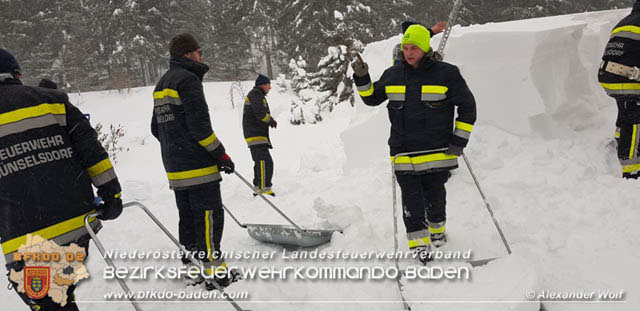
368, 92
252, 139
437, 89
165, 93
423, 241
629, 28
424, 158
193, 173
464, 126
396, 89
48, 232
207, 141
266, 118
99, 168
633, 141
31, 112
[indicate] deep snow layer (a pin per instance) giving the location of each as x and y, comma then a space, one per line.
540, 150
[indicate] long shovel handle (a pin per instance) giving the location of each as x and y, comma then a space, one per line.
234, 217
486, 203
108, 260
269, 202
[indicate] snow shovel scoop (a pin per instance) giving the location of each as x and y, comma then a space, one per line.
292, 235
122, 283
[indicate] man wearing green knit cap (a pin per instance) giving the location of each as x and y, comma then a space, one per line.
424, 95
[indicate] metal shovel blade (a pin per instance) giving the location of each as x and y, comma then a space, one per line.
288, 235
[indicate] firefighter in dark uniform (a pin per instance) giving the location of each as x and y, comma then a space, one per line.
620, 77
423, 94
256, 120
192, 154
49, 158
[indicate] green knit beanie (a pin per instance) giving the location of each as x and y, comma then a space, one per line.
417, 35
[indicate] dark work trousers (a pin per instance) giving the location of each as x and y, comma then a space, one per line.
262, 167
201, 221
423, 198
629, 141
46, 303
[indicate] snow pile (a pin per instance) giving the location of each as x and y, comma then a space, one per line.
540, 150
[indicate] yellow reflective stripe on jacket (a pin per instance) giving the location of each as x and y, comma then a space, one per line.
99, 168
193, 173
210, 143
365, 90
629, 31
621, 88
207, 141
266, 118
101, 173
464, 126
395, 89
165, 93
48, 232
32, 112
436, 89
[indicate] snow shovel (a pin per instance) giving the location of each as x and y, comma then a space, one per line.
292, 235
175, 241
473, 263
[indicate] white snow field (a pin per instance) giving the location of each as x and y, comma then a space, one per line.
541, 150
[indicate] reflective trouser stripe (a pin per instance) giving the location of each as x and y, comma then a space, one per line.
210, 143
208, 233
436, 227
365, 90
60, 233
634, 142
631, 168
418, 238
261, 174
425, 162
617, 134
266, 118
194, 177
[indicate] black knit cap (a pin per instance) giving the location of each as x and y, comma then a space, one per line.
48, 84
406, 25
182, 44
8, 63
262, 79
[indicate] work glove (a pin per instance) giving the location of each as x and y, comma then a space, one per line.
439, 27
273, 123
360, 68
225, 164
111, 208
454, 150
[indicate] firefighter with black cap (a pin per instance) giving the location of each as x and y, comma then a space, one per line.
619, 75
49, 158
423, 95
256, 120
193, 156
